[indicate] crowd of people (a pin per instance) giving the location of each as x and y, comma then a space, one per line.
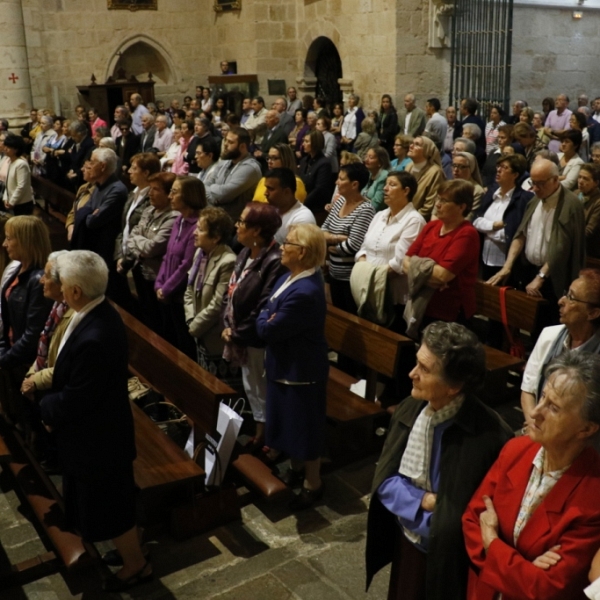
228, 226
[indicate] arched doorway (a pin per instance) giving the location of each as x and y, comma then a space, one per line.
324, 63
141, 58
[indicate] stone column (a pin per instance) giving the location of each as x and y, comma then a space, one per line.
15, 86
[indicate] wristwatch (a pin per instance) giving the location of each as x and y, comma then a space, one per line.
542, 275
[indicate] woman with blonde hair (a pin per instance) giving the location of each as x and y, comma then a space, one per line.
464, 166
426, 168
24, 308
293, 326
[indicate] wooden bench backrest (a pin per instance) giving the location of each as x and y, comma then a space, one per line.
57, 197
375, 347
187, 385
521, 309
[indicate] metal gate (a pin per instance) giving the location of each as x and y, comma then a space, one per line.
481, 52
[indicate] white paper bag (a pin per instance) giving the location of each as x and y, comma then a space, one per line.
229, 424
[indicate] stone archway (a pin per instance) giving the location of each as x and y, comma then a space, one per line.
141, 55
323, 63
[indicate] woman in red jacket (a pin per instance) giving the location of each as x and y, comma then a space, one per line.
533, 526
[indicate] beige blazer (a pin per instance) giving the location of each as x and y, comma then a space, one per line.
203, 310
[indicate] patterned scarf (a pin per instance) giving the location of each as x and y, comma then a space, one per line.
56, 314
417, 455
198, 270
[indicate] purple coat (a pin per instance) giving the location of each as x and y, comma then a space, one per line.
172, 276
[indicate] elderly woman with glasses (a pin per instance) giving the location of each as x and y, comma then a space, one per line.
532, 527
464, 166
256, 270
579, 330
293, 325
441, 441
278, 157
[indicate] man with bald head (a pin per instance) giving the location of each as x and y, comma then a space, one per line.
274, 134
411, 118
286, 121
548, 249
557, 122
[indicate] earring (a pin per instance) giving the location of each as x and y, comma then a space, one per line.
255, 244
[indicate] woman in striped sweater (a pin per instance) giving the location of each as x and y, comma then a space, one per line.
345, 229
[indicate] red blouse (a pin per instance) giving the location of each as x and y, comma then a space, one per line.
458, 252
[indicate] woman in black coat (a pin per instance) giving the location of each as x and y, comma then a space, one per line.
388, 124
316, 173
24, 308
256, 270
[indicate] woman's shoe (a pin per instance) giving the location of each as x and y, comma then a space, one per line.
114, 584
112, 558
292, 478
306, 498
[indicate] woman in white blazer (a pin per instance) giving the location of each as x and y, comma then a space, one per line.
18, 194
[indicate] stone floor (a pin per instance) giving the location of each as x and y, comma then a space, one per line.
270, 555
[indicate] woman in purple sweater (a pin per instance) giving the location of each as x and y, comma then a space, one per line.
188, 197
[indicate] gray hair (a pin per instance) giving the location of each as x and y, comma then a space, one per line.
78, 127
582, 370
595, 146
85, 269
355, 96
53, 261
108, 157
474, 129
47, 119
368, 125
148, 117
460, 353
469, 145
108, 142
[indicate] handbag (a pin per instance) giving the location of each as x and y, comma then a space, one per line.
517, 349
167, 416
218, 449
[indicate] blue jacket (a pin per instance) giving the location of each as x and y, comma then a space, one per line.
513, 215
88, 406
296, 346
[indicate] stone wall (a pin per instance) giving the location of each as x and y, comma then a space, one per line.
554, 53
382, 44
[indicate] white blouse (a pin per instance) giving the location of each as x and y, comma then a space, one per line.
386, 243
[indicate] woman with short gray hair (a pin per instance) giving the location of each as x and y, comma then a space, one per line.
441, 441
88, 411
533, 524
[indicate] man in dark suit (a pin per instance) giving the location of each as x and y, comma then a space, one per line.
98, 223
127, 144
147, 136
274, 135
79, 153
88, 411
202, 131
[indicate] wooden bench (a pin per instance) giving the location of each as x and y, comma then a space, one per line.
164, 473
57, 203
522, 312
353, 420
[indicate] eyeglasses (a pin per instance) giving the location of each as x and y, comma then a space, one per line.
541, 183
240, 222
459, 167
568, 294
503, 167
286, 243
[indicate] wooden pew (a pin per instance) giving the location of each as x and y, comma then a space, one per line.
167, 477
57, 202
353, 420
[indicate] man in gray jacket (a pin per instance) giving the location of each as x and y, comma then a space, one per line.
232, 182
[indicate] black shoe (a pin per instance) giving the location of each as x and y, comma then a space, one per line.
114, 584
306, 498
292, 478
113, 559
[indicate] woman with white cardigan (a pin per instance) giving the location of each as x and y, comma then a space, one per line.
18, 194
